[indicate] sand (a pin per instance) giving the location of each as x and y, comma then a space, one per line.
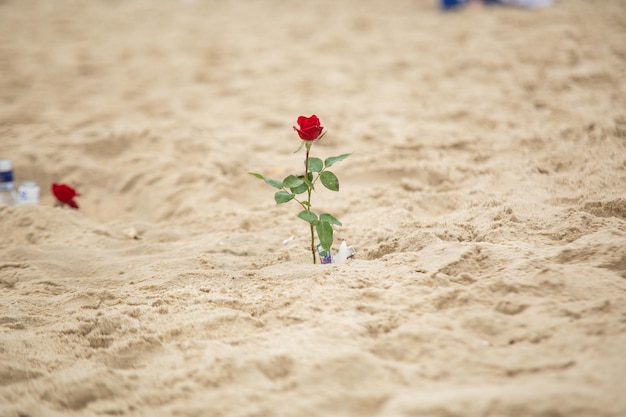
485, 197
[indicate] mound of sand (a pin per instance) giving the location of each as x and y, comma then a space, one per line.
485, 196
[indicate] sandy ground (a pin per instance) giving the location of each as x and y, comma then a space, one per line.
485, 196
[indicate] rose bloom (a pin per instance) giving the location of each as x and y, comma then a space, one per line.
310, 128
65, 194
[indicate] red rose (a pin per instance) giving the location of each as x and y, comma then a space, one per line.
310, 128
65, 194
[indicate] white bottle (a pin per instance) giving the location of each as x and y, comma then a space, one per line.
7, 186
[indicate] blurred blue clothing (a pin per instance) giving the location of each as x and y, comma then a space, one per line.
530, 4
451, 4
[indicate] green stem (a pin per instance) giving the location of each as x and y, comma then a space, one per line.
306, 174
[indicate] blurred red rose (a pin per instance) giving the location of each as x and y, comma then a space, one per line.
310, 128
65, 194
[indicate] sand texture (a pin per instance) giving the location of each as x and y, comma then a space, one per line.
485, 196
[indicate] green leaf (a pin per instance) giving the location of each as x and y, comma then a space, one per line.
308, 216
330, 180
325, 234
330, 219
270, 181
315, 164
331, 160
300, 188
283, 197
292, 181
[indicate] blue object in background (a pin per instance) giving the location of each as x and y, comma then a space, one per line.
451, 4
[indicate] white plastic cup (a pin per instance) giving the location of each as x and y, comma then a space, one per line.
28, 193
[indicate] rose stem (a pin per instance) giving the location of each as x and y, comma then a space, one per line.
306, 173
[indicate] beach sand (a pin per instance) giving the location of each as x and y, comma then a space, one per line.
485, 197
